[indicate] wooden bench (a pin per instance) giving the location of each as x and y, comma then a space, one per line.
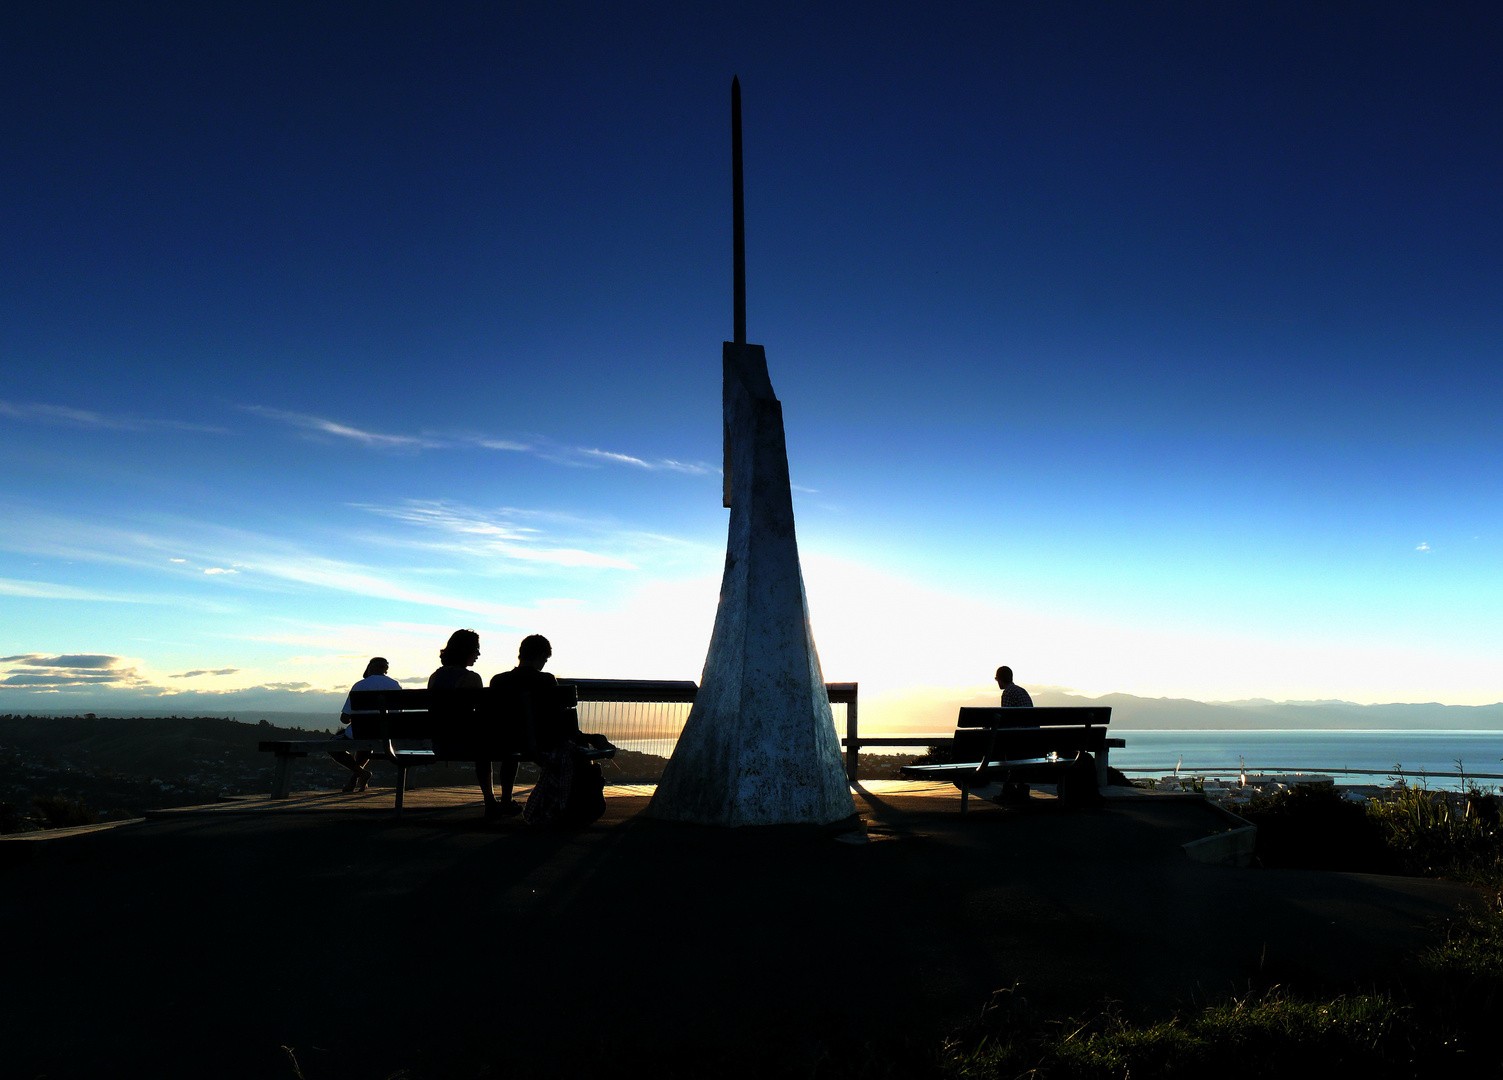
1019, 746
402, 726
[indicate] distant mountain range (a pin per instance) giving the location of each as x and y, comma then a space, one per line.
1158, 713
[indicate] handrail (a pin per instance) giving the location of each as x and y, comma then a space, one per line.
670, 691
1315, 770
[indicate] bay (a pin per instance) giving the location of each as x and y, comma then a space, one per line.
1445, 759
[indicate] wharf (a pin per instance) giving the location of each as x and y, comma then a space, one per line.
202, 941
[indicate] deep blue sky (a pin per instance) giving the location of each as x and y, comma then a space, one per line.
1149, 348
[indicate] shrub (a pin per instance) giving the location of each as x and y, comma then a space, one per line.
1314, 828
942, 753
1432, 834
60, 812
12, 820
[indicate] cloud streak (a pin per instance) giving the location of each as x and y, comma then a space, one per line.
543, 448
44, 590
66, 416
666, 464
322, 426
406, 554
495, 534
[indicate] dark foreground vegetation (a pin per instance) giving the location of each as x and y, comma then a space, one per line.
1437, 1016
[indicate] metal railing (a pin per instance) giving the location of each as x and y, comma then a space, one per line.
1425, 776
644, 717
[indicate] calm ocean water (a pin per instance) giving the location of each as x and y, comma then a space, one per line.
1435, 753
1224, 753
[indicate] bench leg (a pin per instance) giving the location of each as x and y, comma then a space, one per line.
1101, 769
401, 786
965, 794
281, 780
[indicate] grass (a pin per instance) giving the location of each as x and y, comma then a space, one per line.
1240, 1038
1434, 1017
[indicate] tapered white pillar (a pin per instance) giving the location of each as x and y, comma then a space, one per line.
759, 747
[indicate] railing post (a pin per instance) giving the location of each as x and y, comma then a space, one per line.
852, 741
281, 780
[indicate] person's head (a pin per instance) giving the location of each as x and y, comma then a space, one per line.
462, 651
534, 651
1004, 676
377, 666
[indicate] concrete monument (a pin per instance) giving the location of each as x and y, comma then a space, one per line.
759, 747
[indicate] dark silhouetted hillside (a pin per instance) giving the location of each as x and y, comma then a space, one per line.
110, 767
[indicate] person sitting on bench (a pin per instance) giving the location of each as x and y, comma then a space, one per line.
375, 678
455, 660
1013, 695
564, 785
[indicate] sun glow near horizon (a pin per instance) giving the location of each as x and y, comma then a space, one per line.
916, 651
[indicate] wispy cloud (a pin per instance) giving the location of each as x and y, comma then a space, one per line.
667, 464
324, 426
1422, 546
195, 674
45, 590
606, 455
219, 570
497, 533
466, 546
538, 446
66, 416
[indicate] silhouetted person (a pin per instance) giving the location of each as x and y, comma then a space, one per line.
564, 782
1013, 695
358, 762
529, 678
455, 660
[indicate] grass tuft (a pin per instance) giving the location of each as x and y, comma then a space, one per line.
1368, 1033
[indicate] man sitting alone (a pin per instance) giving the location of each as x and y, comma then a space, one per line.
1013, 695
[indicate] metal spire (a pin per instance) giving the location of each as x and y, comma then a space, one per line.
738, 211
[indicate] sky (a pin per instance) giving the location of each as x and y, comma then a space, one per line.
1147, 348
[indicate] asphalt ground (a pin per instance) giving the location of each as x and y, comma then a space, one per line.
200, 943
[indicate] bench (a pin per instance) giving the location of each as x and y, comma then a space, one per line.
401, 726
1020, 745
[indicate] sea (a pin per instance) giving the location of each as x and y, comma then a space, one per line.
1446, 759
